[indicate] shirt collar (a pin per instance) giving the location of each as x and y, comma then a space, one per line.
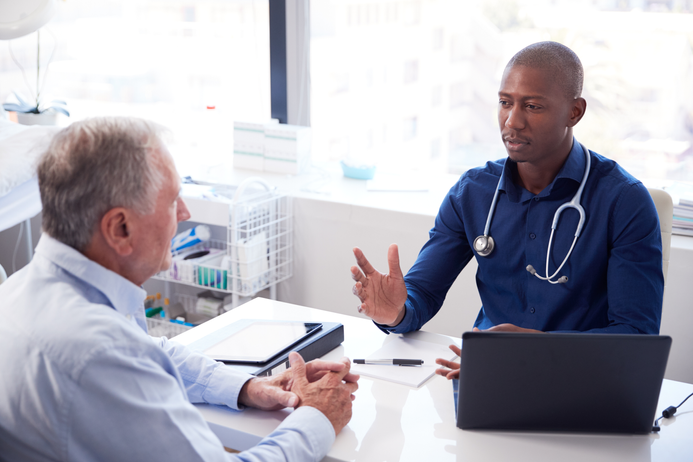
573, 169
124, 296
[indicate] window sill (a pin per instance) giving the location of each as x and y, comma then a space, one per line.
326, 182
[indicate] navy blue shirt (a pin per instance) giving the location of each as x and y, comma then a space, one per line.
615, 282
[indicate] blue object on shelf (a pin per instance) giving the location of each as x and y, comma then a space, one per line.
358, 173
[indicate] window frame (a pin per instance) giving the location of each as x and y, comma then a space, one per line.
290, 61
278, 75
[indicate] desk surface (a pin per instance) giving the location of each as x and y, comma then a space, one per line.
393, 422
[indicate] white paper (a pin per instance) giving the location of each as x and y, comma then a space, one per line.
405, 348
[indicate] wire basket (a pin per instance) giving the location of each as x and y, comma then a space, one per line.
259, 240
258, 252
160, 327
165, 328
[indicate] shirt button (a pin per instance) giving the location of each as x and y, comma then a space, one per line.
536, 199
531, 310
129, 316
532, 235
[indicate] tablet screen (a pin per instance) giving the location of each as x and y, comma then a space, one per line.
260, 341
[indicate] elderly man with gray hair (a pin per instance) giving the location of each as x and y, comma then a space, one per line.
81, 379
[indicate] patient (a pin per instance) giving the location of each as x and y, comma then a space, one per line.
81, 379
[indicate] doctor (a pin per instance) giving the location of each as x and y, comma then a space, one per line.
593, 266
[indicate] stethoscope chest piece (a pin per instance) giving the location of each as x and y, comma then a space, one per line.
484, 245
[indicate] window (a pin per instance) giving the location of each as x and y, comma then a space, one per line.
637, 57
411, 71
438, 35
436, 95
460, 94
373, 65
163, 60
409, 126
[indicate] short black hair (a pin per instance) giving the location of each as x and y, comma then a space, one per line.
558, 59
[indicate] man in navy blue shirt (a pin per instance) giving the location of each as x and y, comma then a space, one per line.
530, 278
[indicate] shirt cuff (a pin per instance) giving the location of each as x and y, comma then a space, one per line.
403, 326
225, 385
316, 427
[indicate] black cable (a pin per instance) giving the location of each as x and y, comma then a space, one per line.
683, 402
668, 412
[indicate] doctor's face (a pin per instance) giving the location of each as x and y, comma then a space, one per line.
534, 115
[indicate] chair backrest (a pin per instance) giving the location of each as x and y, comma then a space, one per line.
3, 274
665, 210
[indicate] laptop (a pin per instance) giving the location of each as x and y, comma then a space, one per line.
596, 383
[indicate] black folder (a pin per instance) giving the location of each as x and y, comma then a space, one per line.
317, 344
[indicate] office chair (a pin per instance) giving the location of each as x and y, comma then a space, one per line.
665, 210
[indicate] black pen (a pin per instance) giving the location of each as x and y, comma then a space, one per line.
390, 362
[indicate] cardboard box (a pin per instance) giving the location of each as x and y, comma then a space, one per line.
287, 149
249, 144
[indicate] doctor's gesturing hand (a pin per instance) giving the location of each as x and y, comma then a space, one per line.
382, 295
451, 369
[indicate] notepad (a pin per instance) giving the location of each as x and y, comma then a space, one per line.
402, 347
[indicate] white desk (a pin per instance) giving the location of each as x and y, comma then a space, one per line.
393, 422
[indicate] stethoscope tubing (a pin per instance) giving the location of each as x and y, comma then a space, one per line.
574, 203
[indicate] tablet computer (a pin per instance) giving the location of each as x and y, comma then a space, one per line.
257, 342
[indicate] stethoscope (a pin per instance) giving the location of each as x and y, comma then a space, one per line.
484, 244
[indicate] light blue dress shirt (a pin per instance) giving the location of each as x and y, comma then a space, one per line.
81, 380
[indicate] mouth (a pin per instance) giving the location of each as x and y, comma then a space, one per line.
514, 143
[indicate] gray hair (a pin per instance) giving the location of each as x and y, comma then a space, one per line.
562, 62
93, 166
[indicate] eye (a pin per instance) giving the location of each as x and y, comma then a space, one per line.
503, 102
532, 106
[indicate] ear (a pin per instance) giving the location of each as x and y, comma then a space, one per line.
116, 230
577, 111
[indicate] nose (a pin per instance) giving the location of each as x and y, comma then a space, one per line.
515, 119
183, 212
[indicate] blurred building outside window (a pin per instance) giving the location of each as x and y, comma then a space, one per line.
637, 55
191, 65
408, 84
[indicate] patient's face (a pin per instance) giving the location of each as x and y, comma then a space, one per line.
155, 231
